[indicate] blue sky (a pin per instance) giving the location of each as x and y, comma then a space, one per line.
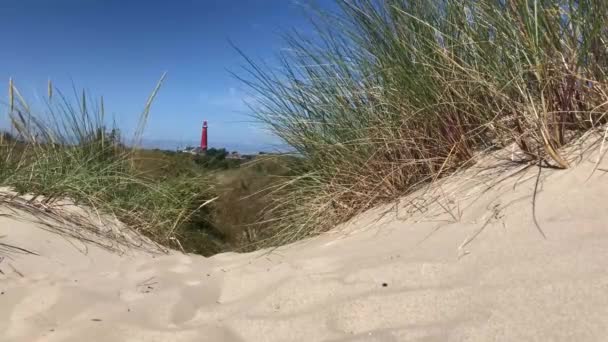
119, 49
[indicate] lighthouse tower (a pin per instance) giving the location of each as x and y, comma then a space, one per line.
204, 137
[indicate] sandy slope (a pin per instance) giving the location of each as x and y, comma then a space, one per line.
379, 278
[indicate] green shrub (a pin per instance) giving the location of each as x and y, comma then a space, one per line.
215, 159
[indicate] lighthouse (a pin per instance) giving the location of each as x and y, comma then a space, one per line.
204, 137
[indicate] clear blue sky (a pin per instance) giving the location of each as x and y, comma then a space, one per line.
119, 49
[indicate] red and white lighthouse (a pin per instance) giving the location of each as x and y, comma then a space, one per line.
204, 137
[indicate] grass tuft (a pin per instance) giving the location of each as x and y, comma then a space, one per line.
70, 152
388, 96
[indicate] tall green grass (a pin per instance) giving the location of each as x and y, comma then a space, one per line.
68, 151
387, 96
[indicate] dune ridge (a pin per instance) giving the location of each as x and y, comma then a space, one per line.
465, 260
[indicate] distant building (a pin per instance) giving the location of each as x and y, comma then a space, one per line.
193, 150
234, 155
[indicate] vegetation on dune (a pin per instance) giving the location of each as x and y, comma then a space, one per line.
235, 220
240, 211
384, 98
215, 159
387, 96
201, 204
69, 152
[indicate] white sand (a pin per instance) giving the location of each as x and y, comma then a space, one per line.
507, 284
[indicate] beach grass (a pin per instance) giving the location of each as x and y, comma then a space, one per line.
381, 99
70, 150
386, 97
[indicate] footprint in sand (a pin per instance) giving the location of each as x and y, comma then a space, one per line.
31, 311
198, 296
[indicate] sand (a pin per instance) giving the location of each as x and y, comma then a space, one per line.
463, 262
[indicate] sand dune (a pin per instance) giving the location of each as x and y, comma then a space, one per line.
463, 262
